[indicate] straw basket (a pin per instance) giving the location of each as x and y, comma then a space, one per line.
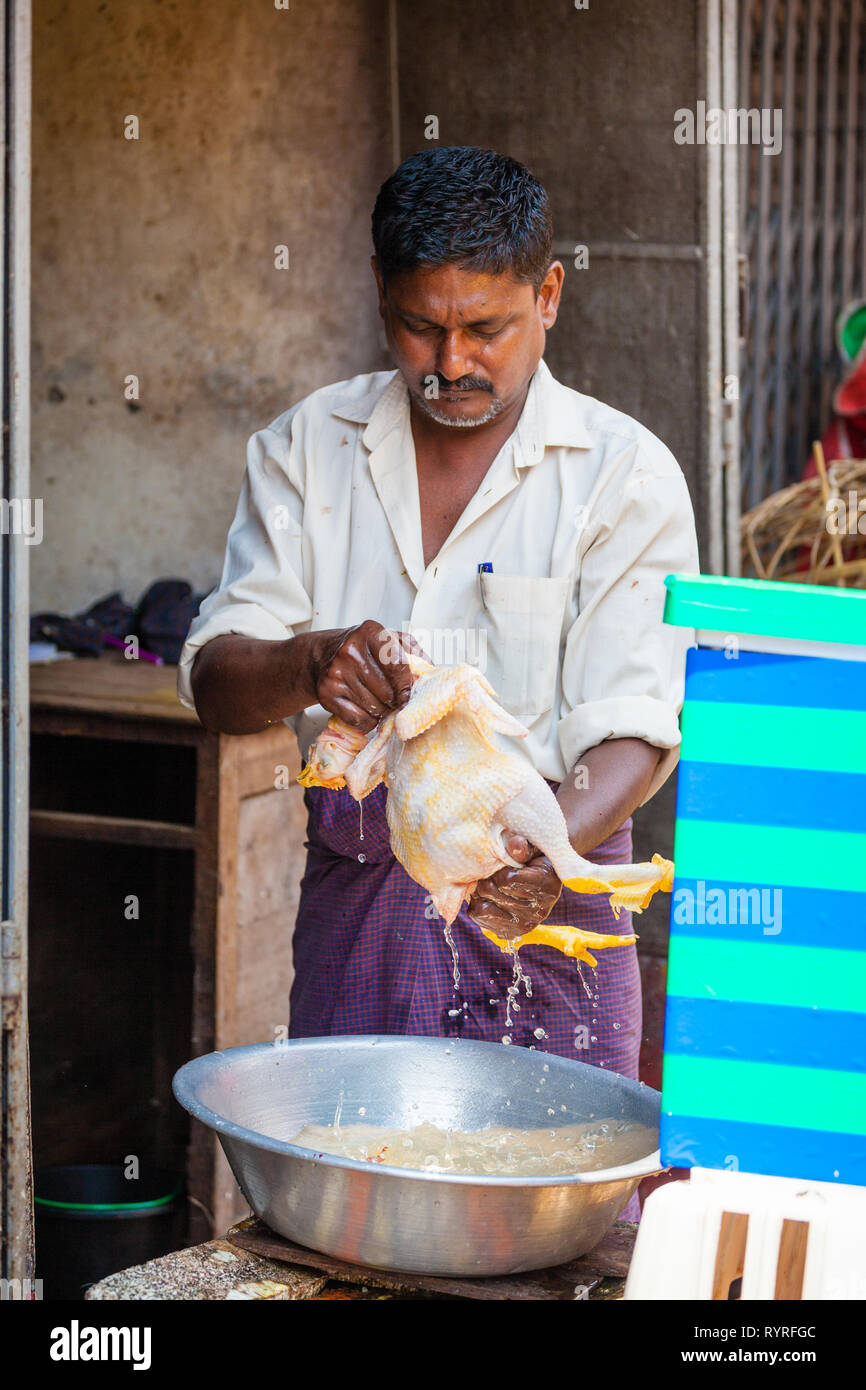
813, 532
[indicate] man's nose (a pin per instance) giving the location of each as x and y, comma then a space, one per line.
454, 361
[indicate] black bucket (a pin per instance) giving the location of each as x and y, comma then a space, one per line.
91, 1221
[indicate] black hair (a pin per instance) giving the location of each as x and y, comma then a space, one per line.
456, 204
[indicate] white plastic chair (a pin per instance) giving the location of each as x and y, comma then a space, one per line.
722, 1235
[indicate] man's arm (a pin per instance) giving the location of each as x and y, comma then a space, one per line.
617, 778
614, 778
242, 684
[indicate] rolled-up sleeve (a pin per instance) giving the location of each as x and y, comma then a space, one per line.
261, 592
623, 669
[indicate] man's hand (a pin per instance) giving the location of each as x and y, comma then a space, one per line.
513, 901
360, 673
242, 684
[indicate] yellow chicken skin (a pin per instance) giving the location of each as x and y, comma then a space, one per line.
336, 747
456, 790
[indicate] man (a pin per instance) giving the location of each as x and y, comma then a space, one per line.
468, 499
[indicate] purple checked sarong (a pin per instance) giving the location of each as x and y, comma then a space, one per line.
371, 956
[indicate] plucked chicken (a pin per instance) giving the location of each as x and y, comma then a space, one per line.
456, 791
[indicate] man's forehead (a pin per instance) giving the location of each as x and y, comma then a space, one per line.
467, 294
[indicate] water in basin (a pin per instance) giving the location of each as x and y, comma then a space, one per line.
495, 1152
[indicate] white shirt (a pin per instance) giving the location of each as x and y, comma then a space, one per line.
581, 515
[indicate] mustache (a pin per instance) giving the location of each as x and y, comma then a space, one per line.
464, 383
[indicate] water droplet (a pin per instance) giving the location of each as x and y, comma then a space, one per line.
586, 989
616, 1025
593, 1038
493, 1001
506, 1039
518, 978
454, 1013
539, 1033
362, 1109
362, 858
454, 957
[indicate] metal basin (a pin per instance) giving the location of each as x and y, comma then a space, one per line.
257, 1098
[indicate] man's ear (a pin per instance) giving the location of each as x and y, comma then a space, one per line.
549, 294
380, 285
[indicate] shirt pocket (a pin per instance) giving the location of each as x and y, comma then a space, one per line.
523, 620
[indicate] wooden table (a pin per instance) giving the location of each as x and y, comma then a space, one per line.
232, 803
252, 1262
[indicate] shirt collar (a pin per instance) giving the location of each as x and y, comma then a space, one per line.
552, 415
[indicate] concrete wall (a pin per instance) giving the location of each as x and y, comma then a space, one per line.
156, 257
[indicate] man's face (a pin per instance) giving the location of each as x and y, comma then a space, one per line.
466, 343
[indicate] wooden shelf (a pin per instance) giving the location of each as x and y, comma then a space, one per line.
110, 685
119, 830
115, 753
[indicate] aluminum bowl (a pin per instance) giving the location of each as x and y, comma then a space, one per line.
258, 1098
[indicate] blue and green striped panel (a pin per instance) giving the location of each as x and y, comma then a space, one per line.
765, 1027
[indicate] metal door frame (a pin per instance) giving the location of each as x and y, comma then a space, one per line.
16, 1186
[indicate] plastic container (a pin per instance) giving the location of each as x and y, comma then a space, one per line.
765, 1024
92, 1221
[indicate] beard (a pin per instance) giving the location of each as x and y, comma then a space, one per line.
431, 407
